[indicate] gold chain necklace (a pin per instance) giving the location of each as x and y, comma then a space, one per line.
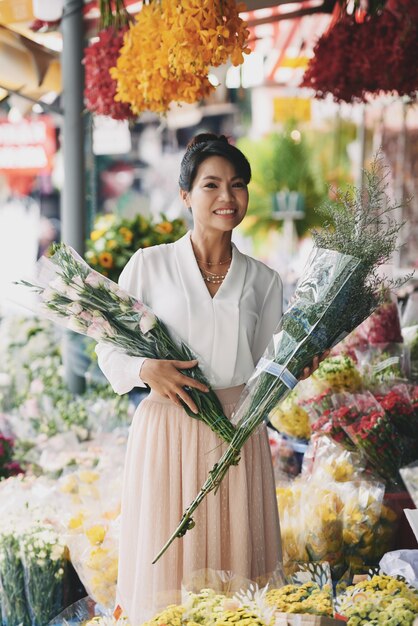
210, 277
212, 280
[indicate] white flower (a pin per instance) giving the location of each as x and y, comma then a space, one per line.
94, 279
48, 294
75, 308
76, 325
108, 330
59, 284
56, 552
77, 280
72, 293
122, 294
86, 316
147, 322
95, 331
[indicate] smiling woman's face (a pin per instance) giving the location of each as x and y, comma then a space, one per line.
219, 197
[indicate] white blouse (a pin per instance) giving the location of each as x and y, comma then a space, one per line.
228, 332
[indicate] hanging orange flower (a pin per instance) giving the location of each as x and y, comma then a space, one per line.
168, 52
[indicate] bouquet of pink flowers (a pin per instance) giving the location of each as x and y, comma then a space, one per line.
82, 300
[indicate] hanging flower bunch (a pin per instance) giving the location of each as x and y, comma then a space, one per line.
367, 53
168, 52
99, 57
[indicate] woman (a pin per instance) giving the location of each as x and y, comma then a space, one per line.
226, 306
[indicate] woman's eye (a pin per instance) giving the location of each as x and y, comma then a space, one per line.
239, 184
211, 185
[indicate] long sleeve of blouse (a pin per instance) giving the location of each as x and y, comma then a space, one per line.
228, 332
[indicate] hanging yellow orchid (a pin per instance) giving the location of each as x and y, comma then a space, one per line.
168, 51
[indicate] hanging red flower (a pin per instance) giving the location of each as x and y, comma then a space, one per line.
356, 58
100, 87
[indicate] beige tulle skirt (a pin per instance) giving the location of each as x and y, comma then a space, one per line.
168, 459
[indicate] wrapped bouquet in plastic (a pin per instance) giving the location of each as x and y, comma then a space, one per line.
80, 299
339, 288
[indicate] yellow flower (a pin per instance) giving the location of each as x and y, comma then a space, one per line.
88, 476
96, 534
168, 52
76, 522
96, 234
70, 484
111, 244
164, 227
106, 259
291, 419
126, 233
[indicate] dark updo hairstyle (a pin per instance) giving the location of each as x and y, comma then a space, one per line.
207, 145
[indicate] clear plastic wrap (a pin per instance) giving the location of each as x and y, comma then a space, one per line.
286, 456
311, 524
383, 364
374, 434
326, 460
361, 518
94, 555
381, 328
82, 300
409, 475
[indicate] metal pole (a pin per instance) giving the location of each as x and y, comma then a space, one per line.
73, 214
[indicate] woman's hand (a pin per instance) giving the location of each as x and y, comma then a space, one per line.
164, 377
315, 363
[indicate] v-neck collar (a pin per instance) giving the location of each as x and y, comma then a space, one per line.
232, 284
206, 333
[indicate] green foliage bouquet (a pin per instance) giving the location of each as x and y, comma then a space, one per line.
338, 290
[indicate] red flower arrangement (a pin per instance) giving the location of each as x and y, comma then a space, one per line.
356, 57
8, 467
332, 423
100, 87
381, 328
100, 56
398, 407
